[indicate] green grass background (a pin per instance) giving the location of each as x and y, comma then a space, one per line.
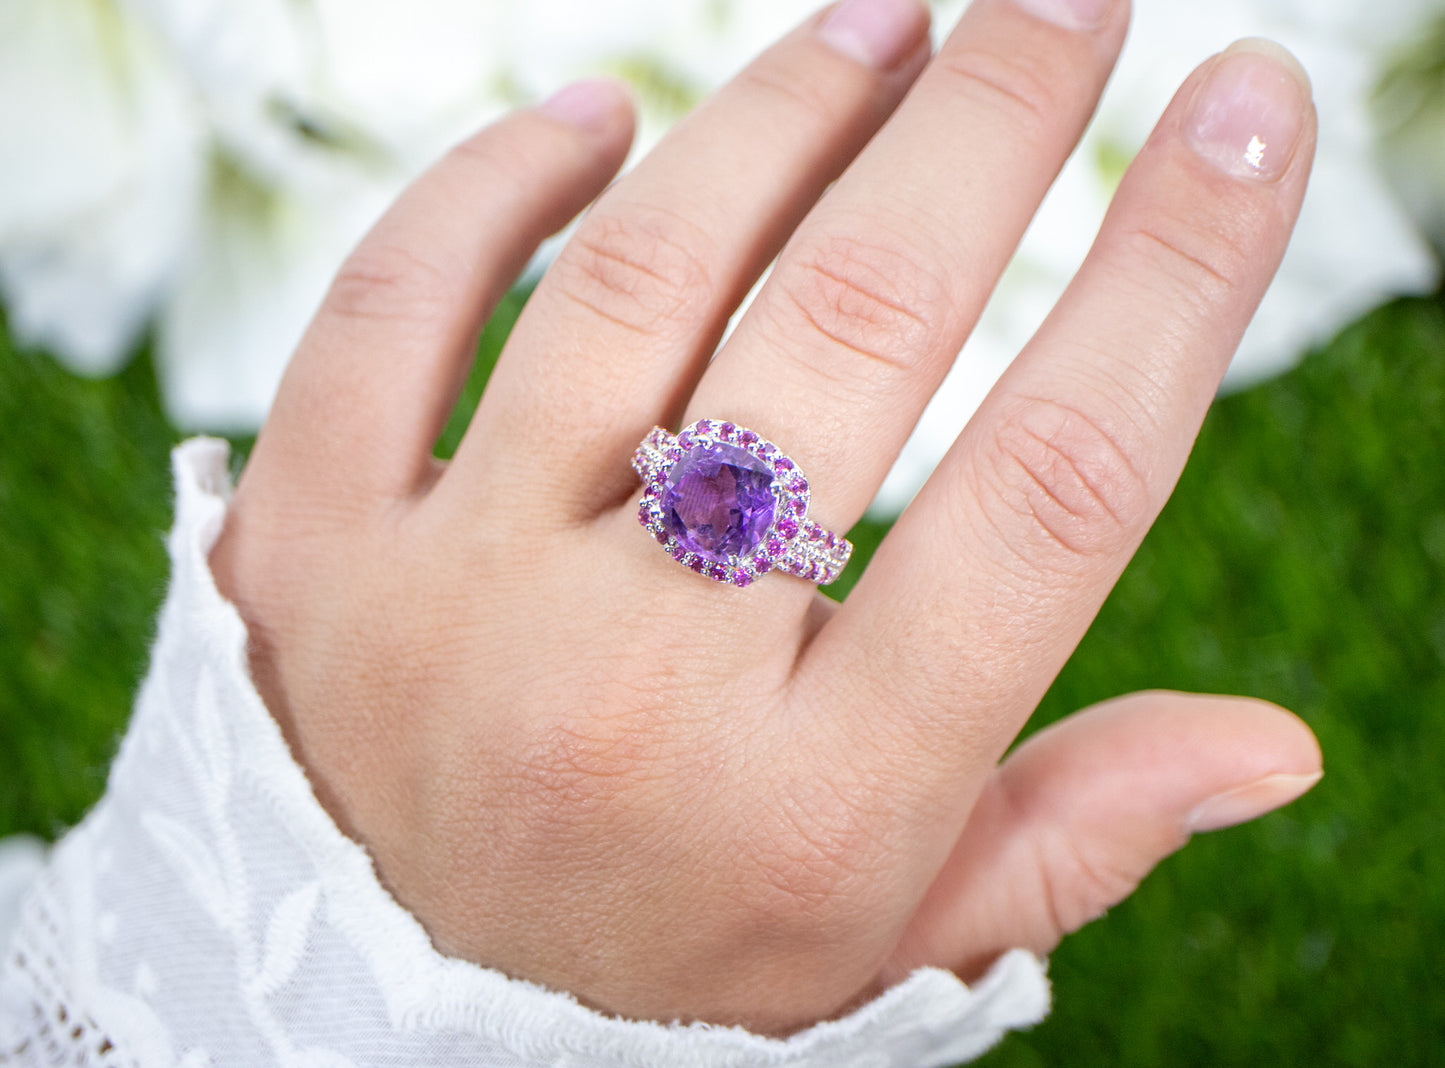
1301, 560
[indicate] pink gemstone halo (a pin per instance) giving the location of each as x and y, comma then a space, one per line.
727, 503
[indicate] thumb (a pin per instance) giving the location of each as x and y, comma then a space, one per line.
1071, 822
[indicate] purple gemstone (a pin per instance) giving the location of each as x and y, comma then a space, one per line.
718, 501
787, 526
747, 439
782, 465
799, 485
741, 579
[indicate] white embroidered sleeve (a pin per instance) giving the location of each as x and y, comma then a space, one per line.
208, 912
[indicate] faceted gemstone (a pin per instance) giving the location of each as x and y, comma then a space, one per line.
787, 526
718, 501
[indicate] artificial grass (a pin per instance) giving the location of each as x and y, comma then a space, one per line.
1301, 560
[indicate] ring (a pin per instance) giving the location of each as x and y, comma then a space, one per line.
729, 504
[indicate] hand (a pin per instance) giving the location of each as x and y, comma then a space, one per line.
580, 763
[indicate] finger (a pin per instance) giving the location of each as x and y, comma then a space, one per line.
870, 303
1068, 826
989, 579
619, 328
379, 369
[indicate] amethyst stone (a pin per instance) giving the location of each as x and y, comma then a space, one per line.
718, 501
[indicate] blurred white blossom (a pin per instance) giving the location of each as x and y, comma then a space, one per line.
1410, 115
102, 156
203, 165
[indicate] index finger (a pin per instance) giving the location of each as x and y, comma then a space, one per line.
992, 575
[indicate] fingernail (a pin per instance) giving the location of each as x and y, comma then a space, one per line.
1247, 116
1070, 14
1248, 802
590, 104
878, 33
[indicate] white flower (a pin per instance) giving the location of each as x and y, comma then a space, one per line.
99, 191
204, 165
1410, 114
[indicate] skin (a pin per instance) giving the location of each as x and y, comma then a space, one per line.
582, 764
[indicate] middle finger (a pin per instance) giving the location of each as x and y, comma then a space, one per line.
617, 332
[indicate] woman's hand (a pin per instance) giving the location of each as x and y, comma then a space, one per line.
581, 763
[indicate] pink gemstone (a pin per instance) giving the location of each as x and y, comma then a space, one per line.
747, 439
742, 579
782, 465
762, 565
787, 526
800, 506
799, 485
703, 426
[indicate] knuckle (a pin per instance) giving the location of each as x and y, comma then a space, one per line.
1080, 887
389, 283
809, 98
496, 160
878, 302
645, 271
1069, 477
1018, 83
1200, 266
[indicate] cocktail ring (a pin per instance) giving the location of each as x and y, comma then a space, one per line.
727, 503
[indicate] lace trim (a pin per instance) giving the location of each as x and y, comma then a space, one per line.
53, 1031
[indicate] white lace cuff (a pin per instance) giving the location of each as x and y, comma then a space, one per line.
208, 911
